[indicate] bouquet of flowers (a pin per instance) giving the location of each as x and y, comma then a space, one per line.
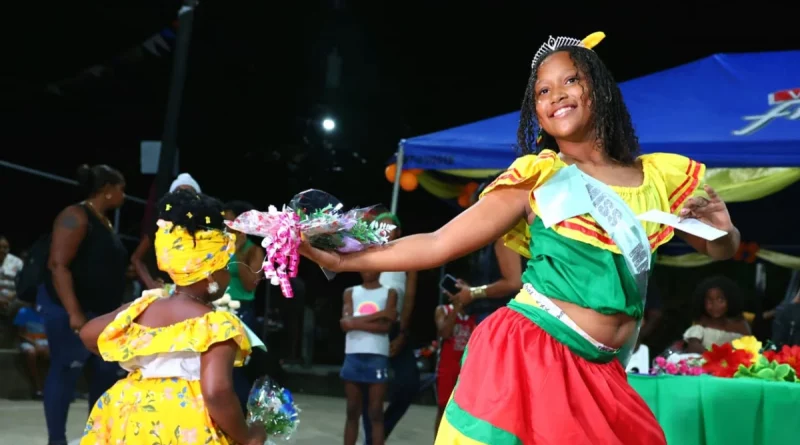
314, 216
274, 407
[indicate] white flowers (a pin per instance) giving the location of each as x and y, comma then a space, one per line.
226, 304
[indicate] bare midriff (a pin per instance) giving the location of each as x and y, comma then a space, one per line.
610, 330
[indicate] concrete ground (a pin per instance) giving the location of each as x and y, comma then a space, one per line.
322, 422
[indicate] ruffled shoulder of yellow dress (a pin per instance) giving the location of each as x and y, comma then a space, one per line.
529, 171
669, 180
124, 339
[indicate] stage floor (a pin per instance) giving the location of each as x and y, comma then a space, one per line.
322, 422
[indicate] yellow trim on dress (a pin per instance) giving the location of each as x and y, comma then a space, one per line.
124, 339
669, 180
449, 435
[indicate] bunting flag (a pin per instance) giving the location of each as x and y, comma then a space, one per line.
158, 45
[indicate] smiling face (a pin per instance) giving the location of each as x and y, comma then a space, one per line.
562, 98
716, 303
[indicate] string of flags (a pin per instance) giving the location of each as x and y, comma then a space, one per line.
157, 45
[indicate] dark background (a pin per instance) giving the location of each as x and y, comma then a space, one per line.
256, 91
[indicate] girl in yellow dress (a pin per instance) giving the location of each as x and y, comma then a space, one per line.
180, 353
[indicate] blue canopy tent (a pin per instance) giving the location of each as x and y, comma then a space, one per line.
726, 110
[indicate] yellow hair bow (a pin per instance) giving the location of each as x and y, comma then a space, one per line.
593, 39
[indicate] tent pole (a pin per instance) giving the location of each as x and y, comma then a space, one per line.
396, 186
167, 159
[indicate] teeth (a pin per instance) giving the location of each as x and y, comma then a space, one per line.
561, 111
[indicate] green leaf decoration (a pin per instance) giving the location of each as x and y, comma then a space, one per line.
767, 370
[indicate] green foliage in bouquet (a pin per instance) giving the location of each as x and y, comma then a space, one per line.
767, 370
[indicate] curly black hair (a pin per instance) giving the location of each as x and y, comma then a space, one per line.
91, 180
611, 119
191, 210
732, 292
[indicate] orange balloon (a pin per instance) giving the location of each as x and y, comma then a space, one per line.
391, 171
415, 171
408, 182
470, 188
464, 201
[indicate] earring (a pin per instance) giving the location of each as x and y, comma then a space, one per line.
108, 195
213, 287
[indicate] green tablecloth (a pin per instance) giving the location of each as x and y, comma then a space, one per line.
709, 410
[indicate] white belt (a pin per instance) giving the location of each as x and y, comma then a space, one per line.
547, 305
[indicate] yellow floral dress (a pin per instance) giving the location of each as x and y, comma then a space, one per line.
160, 401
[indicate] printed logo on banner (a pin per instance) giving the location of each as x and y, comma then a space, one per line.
785, 103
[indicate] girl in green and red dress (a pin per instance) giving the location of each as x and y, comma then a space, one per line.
549, 368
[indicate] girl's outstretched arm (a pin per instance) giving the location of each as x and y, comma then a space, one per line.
481, 224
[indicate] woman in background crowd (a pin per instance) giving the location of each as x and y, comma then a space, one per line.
245, 273
10, 266
245, 267
142, 255
87, 265
717, 313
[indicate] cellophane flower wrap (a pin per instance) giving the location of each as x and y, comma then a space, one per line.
274, 407
314, 216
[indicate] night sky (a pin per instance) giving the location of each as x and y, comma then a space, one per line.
256, 88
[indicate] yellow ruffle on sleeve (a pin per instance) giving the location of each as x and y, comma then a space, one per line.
123, 339
528, 172
678, 178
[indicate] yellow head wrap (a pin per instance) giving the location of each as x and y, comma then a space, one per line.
189, 259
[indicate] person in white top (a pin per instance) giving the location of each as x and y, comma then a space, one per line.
405, 381
717, 315
368, 312
10, 266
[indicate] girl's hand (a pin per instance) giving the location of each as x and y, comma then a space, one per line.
258, 434
711, 211
329, 260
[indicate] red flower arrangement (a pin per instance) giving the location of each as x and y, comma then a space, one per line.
789, 355
724, 360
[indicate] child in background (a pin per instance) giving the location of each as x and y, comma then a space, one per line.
367, 315
33, 344
454, 327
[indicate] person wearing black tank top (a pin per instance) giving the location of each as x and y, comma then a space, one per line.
87, 264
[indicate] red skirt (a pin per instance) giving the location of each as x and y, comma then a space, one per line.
519, 385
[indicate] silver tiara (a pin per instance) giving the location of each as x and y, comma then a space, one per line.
554, 43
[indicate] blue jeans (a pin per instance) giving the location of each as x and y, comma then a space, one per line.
365, 368
68, 356
403, 388
241, 383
